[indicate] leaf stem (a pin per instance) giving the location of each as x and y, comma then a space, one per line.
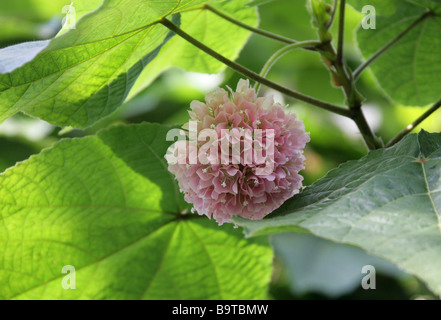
252, 75
389, 45
414, 124
280, 53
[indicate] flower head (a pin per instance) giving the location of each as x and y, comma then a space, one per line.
235, 180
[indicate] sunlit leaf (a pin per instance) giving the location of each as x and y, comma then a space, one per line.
107, 206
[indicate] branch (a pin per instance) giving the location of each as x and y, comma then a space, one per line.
280, 53
372, 142
414, 124
252, 75
341, 32
337, 67
389, 45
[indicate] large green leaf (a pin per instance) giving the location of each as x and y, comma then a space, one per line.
108, 206
86, 73
388, 203
410, 72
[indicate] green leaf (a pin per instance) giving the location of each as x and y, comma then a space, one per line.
108, 206
410, 72
204, 26
388, 203
83, 75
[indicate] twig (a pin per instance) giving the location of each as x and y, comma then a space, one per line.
414, 124
250, 28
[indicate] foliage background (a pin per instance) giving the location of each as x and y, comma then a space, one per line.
305, 266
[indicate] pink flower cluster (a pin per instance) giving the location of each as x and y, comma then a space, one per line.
222, 190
